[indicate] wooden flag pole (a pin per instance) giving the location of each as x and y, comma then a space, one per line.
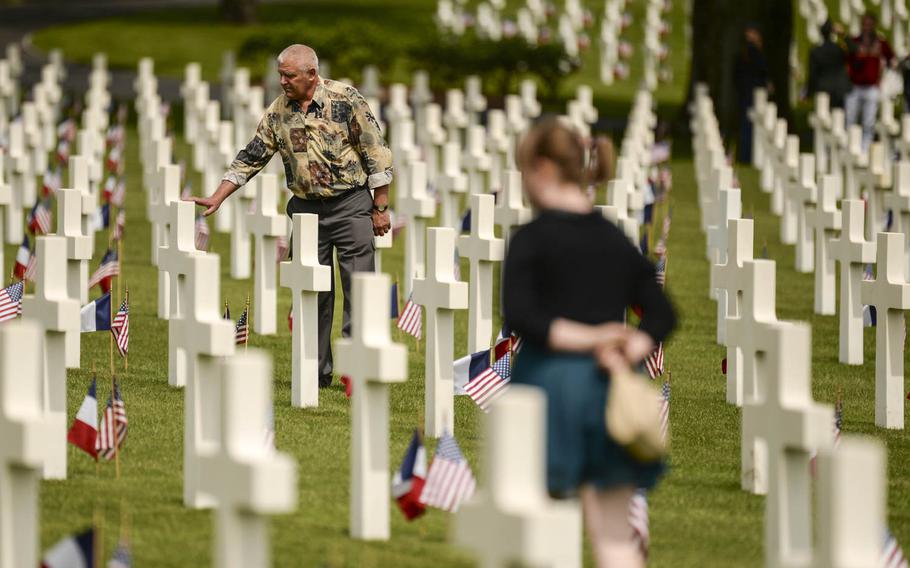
110, 315
113, 427
246, 342
126, 355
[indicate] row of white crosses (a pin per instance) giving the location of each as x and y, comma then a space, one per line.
824, 235
781, 424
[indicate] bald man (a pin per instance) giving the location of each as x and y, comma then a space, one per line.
337, 165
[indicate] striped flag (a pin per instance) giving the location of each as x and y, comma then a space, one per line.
39, 219
202, 233
639, 519
114, 426
11, 301
241, 331
119, 194
23, 256
282, 247
32, 268
122, 557
110, 267
654, 362
491, 384
661, 270
892, 555
120, 327
410, 478
120, 225
74, 550
450, 480
410, 320
665, 409
84, 432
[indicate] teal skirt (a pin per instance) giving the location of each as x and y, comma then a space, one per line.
579, 450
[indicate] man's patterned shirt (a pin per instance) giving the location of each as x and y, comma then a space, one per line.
334, 147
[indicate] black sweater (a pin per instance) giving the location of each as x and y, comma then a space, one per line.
579, 267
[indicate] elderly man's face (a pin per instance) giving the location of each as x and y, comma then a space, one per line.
296, 82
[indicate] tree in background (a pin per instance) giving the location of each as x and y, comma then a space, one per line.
717, 38
239, 11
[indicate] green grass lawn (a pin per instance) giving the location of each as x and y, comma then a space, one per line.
699, 515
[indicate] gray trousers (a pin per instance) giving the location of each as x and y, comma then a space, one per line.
345, 228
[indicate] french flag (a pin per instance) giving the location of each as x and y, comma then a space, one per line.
22, 257
410, 478
469, 367
84, 432
96, 315
74, 551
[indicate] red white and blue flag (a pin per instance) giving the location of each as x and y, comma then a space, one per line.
654, 362
202, 233
411, 318
39, 219
450, 480
113, 426
409, 479
110, 267
84, 432
23, 255
639, 520
11, 301
74, 551
242, 330
120, 327
892, 554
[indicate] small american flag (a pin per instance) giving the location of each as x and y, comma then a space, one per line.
654, 362
114, 424
242, 332
202, 233
122, 557
110, 267
119, 193
282, 247
665, 409
11, 301
838, 421
120, 327
661, 270
120, 225
491, 384
660, 248
410, 319
32, 268
892, 555
638, 518
39, 220
450, 480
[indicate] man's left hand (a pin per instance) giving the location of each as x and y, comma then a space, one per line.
382, 223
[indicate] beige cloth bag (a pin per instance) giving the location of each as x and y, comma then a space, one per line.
633, 416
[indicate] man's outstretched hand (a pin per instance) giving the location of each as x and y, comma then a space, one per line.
211, 204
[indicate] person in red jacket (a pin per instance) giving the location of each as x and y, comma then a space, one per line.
867, 54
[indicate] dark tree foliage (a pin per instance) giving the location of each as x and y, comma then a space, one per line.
239, 11
717, 38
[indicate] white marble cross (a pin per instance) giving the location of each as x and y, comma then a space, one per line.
241, 246
373, 362
155, 206
474, 101
850, 521
455, 118
753, 332
826, 221
205, 336
898, 201
511, 519
729, 277
57, 314
168, 191
79, 180
26, 437
788, 426
889, 292
266, 225
440, 294
499, 146
419, 208
852, 251
6, 203
306, 278
873, 182
246, 478
729, 208
804, 195
78, 253
476, 160
482, 248
20, 170
175, 260
511, 211
451, 182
